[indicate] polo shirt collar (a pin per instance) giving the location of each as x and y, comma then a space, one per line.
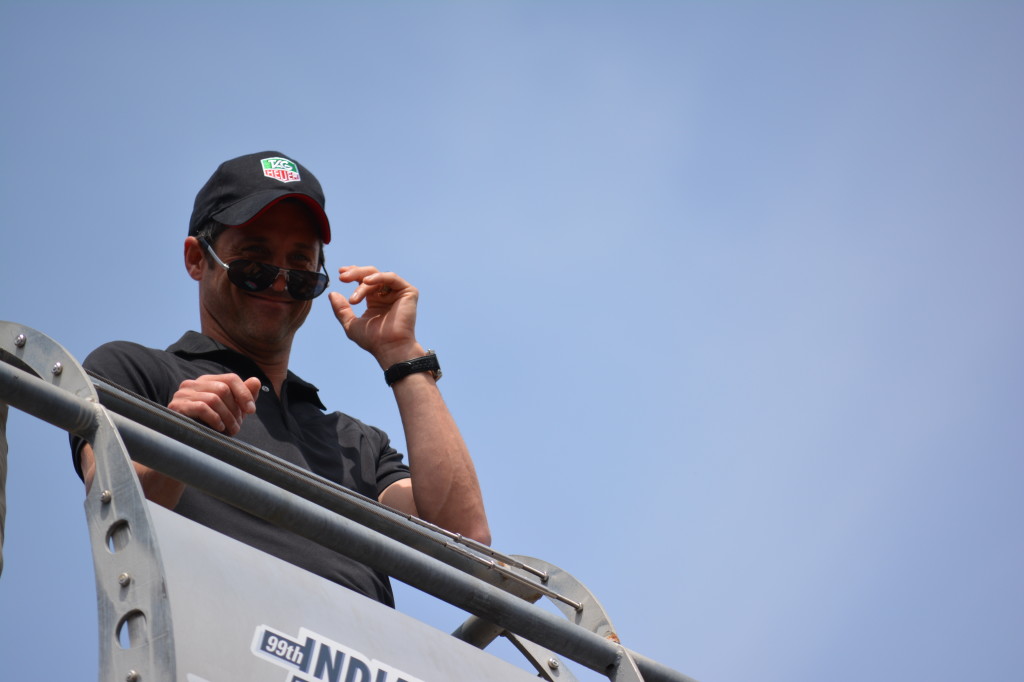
194, 345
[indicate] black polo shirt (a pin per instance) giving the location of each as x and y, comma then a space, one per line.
294, 427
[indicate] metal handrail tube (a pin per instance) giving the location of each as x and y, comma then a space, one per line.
287, 510
308, 485
267, 501
374, 549
34, 396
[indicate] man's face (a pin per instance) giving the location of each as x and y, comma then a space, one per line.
260, 322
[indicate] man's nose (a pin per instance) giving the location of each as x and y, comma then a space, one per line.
280, 281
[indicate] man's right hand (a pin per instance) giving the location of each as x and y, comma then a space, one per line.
221, 401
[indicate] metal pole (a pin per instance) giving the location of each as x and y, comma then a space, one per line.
377, 551
432, 541
310, 520
43, 401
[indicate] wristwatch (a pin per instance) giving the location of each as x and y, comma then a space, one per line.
426, 363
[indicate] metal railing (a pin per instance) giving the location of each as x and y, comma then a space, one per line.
40, 378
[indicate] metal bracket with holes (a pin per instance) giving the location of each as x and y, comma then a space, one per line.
136, 638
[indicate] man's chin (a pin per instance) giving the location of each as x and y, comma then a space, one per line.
273, 330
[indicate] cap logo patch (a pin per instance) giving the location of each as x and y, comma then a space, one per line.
281, 169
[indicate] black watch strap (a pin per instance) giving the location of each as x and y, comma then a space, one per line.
426, 363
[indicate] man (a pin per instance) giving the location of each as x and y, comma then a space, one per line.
255, 247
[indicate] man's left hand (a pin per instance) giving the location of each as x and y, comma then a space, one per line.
387, 328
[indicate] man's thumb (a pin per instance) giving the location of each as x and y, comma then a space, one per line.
253, 384
342, 309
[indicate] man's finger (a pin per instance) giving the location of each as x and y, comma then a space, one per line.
220, 401
189, 406
242, 395
342, 309
355, 273
237, 395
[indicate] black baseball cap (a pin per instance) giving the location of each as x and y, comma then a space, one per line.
243, 187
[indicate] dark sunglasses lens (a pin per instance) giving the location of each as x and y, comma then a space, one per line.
251, 276
306, 285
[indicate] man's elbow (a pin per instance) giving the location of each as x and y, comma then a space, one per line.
479, 532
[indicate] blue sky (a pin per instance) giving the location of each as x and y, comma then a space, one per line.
728, 295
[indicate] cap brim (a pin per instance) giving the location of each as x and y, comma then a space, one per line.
244, 210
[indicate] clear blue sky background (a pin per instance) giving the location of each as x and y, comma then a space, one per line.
728, 295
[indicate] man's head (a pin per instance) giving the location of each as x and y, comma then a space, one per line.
264, 210
242, 188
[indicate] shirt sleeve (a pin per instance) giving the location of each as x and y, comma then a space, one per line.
391, 466
136, 368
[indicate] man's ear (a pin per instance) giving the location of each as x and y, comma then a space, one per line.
194, 258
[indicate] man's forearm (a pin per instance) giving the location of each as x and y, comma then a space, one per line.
157, 487
444, 481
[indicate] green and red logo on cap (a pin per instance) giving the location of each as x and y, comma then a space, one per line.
281, 169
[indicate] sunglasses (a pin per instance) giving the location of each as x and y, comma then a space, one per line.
249, 275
